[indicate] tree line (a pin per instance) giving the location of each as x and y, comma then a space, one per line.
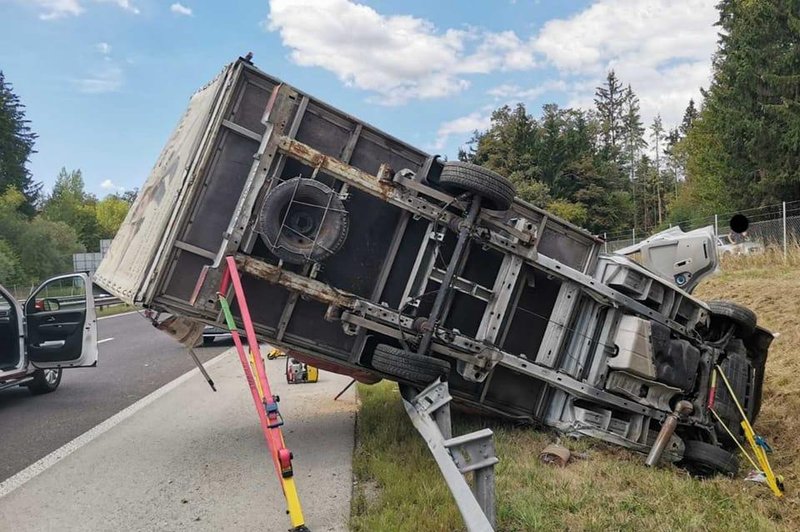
604, 169
601, 168
39, 232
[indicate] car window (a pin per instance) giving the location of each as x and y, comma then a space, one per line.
6, 313
61, 294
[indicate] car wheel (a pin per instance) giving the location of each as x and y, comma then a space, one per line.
497, 191
45, 381
744, 318
706, 460
408, 366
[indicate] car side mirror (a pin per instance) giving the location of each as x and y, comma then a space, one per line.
48, 304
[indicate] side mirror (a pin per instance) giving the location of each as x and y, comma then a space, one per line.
48, 304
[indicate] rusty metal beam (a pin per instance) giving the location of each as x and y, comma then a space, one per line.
295, 283
362, 180
383, 187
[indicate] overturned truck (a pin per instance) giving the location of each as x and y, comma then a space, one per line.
366, 256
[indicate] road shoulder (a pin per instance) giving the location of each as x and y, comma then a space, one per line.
197, 459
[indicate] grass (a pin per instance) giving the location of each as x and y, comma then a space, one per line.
113, 310
397, 485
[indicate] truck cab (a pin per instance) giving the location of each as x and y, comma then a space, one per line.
54, 329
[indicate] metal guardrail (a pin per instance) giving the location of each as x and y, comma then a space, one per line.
99, 302
102, 302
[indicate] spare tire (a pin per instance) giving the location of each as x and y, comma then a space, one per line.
497, 191
705, 460
303, 220
741, 316
407, 366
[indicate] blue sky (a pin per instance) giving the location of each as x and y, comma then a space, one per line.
105, 81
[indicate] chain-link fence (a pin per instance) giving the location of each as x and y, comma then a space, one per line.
21, 292
776, 226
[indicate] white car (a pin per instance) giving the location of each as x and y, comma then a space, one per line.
727, 246
54, 329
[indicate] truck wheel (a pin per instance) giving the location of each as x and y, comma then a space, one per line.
706, 460
406, 366
497, 191
303, 220
45, 381
742, 317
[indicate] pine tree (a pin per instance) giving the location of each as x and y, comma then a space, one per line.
609, 101
633, 134
751, 111
657, 135
689, 116
674, 162
16, 146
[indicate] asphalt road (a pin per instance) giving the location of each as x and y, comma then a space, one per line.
135, 359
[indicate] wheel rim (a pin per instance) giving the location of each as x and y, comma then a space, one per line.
51, 376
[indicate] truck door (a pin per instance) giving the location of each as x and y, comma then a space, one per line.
61, 327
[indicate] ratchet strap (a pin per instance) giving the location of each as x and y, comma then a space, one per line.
758, 444
266, 403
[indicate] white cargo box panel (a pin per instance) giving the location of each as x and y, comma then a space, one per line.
129, 267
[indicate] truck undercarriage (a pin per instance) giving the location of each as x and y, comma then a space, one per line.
366, 256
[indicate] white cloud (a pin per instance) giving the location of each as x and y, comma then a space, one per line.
180, 9
464, 125
52, 9
398, 57
514, 93
55, 9
661, 47
109, 185
107, 77
127, 5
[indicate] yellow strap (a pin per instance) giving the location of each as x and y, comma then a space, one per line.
292, 502
750, 434
761, 455
735, 439
252, 360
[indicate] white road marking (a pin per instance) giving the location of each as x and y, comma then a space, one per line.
104, 340
118, 315
42, 465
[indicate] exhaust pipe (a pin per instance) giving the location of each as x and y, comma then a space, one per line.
667, 430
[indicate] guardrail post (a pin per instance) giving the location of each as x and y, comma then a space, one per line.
716, 225
429, 411
605, 242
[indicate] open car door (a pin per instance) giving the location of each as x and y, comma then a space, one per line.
61, 326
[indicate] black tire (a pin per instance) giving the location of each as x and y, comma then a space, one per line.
407, 366
45, 381
706, 460
497, 191
310, 210
744, 318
